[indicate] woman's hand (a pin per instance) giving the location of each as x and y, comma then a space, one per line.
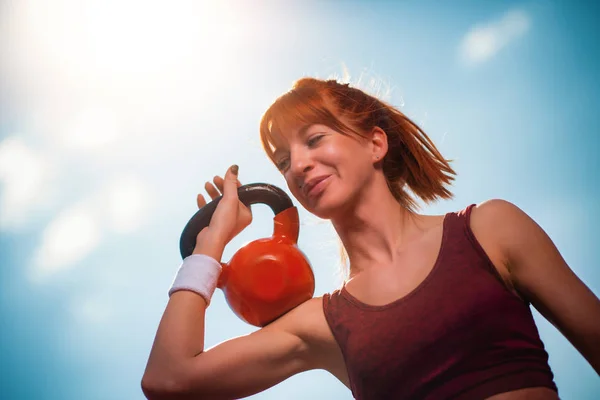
230, 217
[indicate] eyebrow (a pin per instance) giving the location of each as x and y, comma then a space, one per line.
301, 132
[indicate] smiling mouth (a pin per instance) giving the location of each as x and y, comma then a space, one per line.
316, 188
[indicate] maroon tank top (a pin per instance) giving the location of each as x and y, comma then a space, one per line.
461, 334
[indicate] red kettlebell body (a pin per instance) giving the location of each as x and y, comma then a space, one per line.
267, 277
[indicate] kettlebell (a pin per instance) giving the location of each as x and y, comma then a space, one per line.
267, 277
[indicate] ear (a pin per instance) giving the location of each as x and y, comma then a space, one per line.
379, 144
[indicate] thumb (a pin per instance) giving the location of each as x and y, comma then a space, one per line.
230, 183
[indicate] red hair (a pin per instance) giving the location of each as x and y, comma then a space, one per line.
412, 160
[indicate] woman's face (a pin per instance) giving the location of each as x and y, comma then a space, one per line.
323, 168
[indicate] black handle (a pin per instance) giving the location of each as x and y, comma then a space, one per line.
249, 194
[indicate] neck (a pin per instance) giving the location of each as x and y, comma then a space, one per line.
374, 228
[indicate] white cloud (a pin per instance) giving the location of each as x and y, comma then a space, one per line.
121, 206
70, 237
24, 179
28, 185
484, 41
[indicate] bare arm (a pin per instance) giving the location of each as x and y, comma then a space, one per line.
179, 366
539, 272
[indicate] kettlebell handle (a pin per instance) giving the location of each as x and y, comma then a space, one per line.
286, 222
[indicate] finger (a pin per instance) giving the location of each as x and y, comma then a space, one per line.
231, 182
211, 190
218, 181
200, 201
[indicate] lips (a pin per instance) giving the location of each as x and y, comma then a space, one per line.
309, 185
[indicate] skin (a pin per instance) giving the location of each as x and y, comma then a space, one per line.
379, 236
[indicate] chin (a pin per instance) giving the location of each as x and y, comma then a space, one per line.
327, 206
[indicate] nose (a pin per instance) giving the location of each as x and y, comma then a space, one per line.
300, 162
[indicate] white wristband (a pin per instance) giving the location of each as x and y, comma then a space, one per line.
198, 273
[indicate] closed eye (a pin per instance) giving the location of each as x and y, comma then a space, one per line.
282, 164
313, 140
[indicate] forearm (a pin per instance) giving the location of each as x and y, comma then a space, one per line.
179, 338
180, 334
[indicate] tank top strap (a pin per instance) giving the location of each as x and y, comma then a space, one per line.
462, 236
341, 317
458, 221
457, 233
333, 306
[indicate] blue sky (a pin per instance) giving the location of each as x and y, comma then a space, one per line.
114, 113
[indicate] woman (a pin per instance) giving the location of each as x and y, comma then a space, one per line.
434, 307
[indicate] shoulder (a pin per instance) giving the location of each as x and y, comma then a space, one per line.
491, 216
503, 221
511, 234
495, 211
500, 219
498, 225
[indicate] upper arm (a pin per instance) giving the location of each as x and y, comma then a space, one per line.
248, 364
539, 272
252, 363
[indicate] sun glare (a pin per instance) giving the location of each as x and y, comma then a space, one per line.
136, 35
95, 43
94, 68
